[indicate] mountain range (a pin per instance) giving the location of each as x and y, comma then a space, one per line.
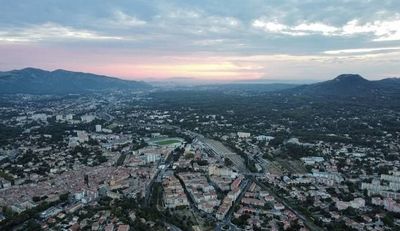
37, 81
350, 85
345, 85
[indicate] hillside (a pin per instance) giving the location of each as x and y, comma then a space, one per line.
37, 81
350, 85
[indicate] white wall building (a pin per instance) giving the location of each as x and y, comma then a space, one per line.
98, 128
69, 117
87, 118
243, 134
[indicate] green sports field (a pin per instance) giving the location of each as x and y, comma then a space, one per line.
167, 142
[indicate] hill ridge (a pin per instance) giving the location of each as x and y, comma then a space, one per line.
38, 81
353, 85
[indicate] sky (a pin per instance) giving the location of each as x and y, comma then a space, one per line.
204, 40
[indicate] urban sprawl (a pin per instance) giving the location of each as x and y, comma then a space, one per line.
140, 162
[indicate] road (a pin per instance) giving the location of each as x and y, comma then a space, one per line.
149, 189
249, 177
172, 227
226, 222
157, 178
307, 221
244, 187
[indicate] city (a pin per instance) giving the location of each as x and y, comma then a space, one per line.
117, 161
187, 115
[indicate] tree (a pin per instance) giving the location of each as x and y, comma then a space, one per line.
189, 156
388, 220
228, 162
242, 220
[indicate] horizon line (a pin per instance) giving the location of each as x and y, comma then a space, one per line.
244, 80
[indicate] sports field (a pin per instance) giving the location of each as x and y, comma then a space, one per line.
167, 142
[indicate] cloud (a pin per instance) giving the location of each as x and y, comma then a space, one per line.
50, 31
276, 27
302, 29
316, 27
122, 19
273, 26
290, 38
360, 50
381, 30
209, 42
194, 22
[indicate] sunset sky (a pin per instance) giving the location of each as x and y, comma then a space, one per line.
228, 40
